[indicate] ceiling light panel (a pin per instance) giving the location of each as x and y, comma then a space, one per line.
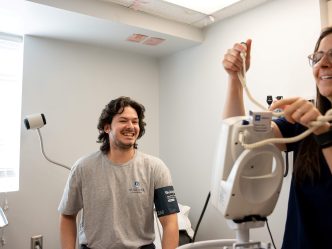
207, 7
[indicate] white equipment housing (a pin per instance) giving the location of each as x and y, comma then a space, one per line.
246, 183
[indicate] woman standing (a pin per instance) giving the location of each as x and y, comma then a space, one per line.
309, 217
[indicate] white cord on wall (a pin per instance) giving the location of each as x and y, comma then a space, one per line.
42, 150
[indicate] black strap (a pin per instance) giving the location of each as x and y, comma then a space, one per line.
324, 140
84, 247
150, 246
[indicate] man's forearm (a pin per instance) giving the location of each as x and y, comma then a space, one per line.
170, 238
170, 226
68, 231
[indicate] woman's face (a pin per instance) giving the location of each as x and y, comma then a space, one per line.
323, 69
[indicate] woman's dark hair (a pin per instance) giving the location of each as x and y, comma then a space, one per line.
307, 165
114, 107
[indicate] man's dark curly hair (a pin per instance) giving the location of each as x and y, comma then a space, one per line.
116, 106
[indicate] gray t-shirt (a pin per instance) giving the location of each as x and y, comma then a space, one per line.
117, 200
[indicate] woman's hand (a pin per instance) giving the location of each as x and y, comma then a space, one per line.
232, 61
233, 64
299, 110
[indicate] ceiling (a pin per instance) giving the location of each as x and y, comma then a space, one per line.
183, 15
109, 23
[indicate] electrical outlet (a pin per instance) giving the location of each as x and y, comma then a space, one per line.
269, 99
37, 242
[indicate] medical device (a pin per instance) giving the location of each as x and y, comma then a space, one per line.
248, 172
246, 183
35, 122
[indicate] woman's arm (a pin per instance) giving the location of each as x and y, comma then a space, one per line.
302, 111
233, 64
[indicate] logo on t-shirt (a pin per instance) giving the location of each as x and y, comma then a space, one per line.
136, 188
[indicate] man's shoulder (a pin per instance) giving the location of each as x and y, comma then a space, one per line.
149, 158
153, 162
89, 159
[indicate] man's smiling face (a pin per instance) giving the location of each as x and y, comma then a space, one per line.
124, 129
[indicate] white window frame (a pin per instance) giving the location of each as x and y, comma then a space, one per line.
11, 70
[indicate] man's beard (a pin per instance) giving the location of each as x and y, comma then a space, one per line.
123, 146
120, 145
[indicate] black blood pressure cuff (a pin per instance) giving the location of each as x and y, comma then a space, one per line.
165, 201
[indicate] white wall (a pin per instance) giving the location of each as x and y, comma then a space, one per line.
192, 92
70, 83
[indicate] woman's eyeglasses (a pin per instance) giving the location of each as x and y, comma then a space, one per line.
316, 57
